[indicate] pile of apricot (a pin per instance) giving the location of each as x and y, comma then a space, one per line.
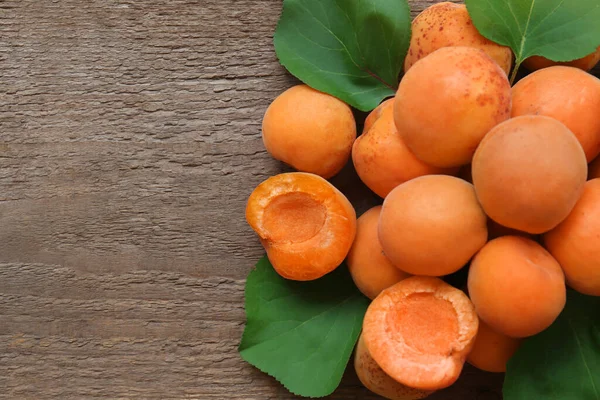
474, 174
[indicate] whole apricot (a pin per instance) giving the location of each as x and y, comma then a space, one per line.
528, 173
567, 94
309, 130
472, 95
448, 24
575, 243
492, 350
376, 114
383, 161
585, 63
517, 287
432, 225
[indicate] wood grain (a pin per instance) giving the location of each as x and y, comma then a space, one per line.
129, 142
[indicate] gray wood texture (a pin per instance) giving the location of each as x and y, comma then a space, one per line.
129, 142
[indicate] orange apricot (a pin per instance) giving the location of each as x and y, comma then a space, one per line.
370, 268
376, 114
517, 287
419, 332
432, 225
594, 169
373, 378
585, 63
448, 24
567, 94
492, 350
472, 95
382, 160
309, 130
528, 173
575, 243
306, 225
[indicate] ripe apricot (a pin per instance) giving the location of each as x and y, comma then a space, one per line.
419, 332
373, 378
492, 349
370, 268
376, 114
594, 169
382, 160
472, 95
585, 63
528, 173
448, 24
567, 94
575, 243
517, 287
432, 225
305, 224
309, 130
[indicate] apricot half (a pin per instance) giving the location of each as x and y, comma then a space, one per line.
472, 95
373, 378
419, 332
448, 24
305, 224
383, 161
517, 287
585, 63
432, 225
575, 243
309, 130
567, 94
528, 173
492, 350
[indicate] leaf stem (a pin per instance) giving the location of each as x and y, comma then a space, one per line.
513, 76
368, 71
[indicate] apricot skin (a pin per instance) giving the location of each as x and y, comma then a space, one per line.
376, 114
575, 243
472, 95
585, 63
371, 271
492, 350
432, 225
517, 287
567, 94
448, 24
383, 161
309, 130
528, 173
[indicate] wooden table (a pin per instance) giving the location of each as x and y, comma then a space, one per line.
130, 140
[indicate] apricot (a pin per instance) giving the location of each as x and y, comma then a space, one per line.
585, 63
472, 95
492, 350
370, 268
432, 225
448, 24
382, 160
517, 287
377, 381
567, 94
305, 224
419, 332
575, 243
309, 130
376, 114
528, 173
594, 169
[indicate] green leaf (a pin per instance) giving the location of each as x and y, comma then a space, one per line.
561, 30
563, 362
351, 49
302, 333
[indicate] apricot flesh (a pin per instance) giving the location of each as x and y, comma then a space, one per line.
448, 24
419, 332
371, 270
309, 130
528, 173
383, 161
492, 350
517, 287
305, 224
585, 63
472, 95
432, 225
575, 243
567, 94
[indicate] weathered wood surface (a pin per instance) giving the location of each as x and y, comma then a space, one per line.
129, 142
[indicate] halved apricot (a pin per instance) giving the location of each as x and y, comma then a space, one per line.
305, 224
492, 350
419, 332
373, 378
